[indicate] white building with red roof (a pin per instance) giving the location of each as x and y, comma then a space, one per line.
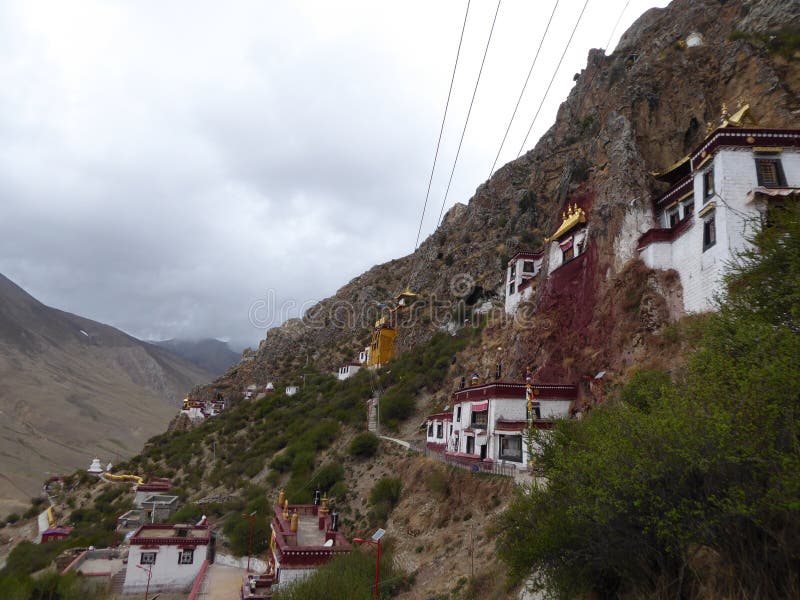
171, 556
488, 422
717, 193
521, 270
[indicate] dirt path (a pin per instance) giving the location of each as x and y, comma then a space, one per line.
221, 583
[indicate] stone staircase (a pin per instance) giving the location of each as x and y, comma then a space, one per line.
117, 582
372, 415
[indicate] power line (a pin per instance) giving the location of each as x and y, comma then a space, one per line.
558, 66
525, 85
619, 18
469, 112
441, 129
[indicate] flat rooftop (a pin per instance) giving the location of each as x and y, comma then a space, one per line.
308, 532
173, 532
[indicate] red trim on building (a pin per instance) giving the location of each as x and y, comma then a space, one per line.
662, 234
443, 416
524, 255
479, 406
435, 447
513, 390
503, 425
140, 538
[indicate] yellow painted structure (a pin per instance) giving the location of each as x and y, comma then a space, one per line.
382, 346
124, 478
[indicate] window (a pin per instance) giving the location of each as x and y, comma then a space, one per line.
510, 448
430, 429
527, 266
439, 431
535, 412
569, 253
480, 419
672, 218
186, 557
458, 414
708, 185
470, 445
770, 172
148, 558
709, 233
513, 270
688, 207
511, 289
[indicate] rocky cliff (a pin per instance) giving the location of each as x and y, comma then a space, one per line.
630, 113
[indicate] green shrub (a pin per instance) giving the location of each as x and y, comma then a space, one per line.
384, 497
364, 445
349, 577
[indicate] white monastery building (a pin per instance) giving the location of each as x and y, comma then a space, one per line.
488, 421
520, 273
716, 196
171, 555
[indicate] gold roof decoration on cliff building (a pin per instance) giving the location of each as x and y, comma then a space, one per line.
573, 217
741, 118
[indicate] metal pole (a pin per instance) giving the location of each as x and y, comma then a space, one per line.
377, 570
250, 542
147, 587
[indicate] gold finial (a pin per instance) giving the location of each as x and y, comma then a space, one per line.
286, 509
709, 127
740, 102
294, 520
281, 497
724, 114
324, 508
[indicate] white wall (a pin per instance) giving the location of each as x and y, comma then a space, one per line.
167, 574
701, 271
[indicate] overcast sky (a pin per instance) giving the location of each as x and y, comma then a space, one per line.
164, 164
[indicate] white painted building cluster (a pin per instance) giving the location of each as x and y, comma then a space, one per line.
565, 245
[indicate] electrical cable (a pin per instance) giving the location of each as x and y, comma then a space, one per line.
441, 129
524, 86
555, 73
469, 112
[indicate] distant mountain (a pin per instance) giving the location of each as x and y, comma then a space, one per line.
72, 388
209, 354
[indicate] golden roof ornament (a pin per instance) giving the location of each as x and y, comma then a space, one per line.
573, 217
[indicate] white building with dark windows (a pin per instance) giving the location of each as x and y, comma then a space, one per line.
172, 556
439, 430
717, 194
570, 239
488, 422
521, 270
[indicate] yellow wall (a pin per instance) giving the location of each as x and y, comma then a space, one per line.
382, 350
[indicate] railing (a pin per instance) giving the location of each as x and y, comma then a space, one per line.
474, 466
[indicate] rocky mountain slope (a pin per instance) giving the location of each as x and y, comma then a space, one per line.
630, 113
211, 355
71, 388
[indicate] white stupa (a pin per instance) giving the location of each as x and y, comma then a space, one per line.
95, 468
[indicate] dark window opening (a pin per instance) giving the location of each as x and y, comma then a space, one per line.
430, 429
186, 557
511, 289
688, 207
569, 254
708, 184
673, 218
770, 172
458, 414
510, 448
527, 266
148, 558
513, 270
480, 419
470, 445
709, 233
439, 431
